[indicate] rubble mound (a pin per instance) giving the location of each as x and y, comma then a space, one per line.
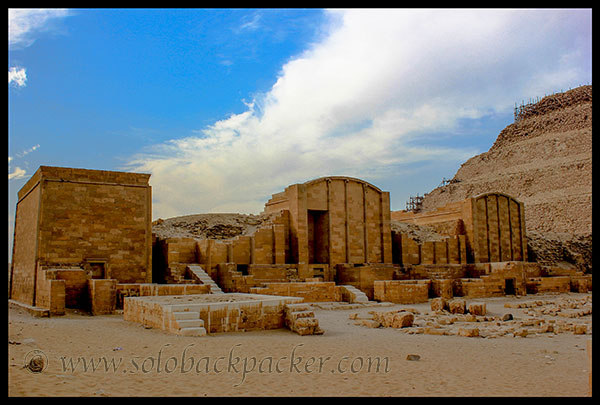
561, 249
419, 233
208, 226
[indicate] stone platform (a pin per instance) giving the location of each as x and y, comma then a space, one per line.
197, 315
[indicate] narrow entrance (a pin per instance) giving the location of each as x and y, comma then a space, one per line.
318, 237
509, 286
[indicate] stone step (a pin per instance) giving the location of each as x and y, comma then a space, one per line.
186, 315
356, 295
301, 314
297, 307
216, 290
193, 331
190, 323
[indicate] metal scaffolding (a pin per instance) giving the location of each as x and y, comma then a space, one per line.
414, 204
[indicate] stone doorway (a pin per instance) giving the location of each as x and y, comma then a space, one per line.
318, 236
509, 286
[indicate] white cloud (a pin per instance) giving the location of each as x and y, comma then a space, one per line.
17, 173
25, 24
28, 151
251, 25
358, 102
17, 76
25, 152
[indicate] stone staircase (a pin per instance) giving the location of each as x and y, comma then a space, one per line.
175, 274
188, 323
198, 273
300, 319
353, 294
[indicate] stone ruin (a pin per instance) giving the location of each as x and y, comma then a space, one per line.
84, 239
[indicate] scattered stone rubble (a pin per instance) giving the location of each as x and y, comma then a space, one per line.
456, 317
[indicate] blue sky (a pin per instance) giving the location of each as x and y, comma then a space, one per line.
226, 107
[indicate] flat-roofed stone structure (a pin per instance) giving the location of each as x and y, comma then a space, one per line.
94, 222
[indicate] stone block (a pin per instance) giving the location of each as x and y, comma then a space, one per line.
457, 306
468, 332
402, 320
435, 331
439, 304
102, 296
370, 323
477, 308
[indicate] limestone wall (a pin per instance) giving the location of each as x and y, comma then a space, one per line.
402, 291
486, 228
79, 217
336, 220
25, 247
310, 291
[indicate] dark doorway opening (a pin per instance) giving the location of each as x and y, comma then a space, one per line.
509, 286
98, 269
243, 268
318, 237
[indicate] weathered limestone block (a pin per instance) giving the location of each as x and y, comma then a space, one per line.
523, 332
300, 319
442, 288
402, 320
392, 319
468, 332
102, 296
439, 304
457, 306
477, 308
435, 331
580, 329
370, 323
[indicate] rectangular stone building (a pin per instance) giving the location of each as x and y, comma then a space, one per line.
92, 220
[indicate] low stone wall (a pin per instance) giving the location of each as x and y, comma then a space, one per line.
402, 291
310, 291
479, 287
364, 277
143, 290
559, 284
581, 283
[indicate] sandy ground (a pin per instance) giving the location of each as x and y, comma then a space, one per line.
341, 362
